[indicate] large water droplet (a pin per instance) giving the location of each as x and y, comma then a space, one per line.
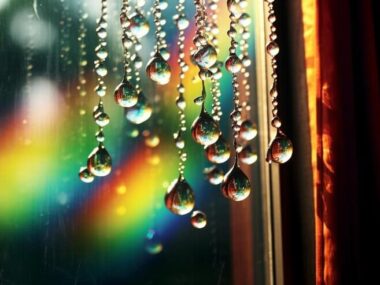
99, 162
158, 70
198, 219
140, 112
236, 185
219, 152
205, 56
248, 130
153, 244
214, 175
85, 175
280, 150
126, 94
179, 198
205, 130
139, 25
247, 156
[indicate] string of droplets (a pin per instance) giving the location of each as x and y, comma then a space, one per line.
66, 24
179, 198
29, 55
99, 162
158, 68
280, 149
236, 185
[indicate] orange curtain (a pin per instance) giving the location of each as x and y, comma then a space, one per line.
344, 107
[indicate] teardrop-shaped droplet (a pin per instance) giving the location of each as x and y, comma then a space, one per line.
139, 25
102, 119
198, 219
140, 112
247, 156
245, 20
205, 56
158, 70
85, 175
219, 152
214, 175
280, 150
99, 162
179, 198
101, 52
233, 64
205, 130
236, 185
126, 94
248, 130
153, 243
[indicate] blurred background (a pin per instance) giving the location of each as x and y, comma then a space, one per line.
54, 229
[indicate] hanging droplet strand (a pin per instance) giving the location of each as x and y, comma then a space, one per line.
236, 185
158, 68
179, 198
205, 130
280, 149
99, 162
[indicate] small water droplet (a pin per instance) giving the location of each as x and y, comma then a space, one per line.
236, 185
234, 7
247, 156
140, 112
165, 53
99, 162
198, 219
206, 56
158, 70
101, 69
205, 130
101, 52
245, 20
126, 94
102, 119
214, 175
199, 100
100, 136
180, 102
280, 150
219, 152
85, 175
248, 130
179, 141
179, 198
273, 49
139, 25
153, 244
152, 140
182, 23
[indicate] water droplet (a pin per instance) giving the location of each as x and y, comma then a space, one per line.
205, 56
180, 102
99, 162
280, 150
179, 198
100, 136
273, 49
182, 23
140, 112
133, 133
214, 175
153, 244
198, 219
85, 175
236, 185
101, 52
233, 64
101, 69
179, 141
205, 130
234, 7
248, 130
163, 5
102, 119
158, 70
245, 20
247, 156
219, 152
165, 53
139, 25
126, 94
